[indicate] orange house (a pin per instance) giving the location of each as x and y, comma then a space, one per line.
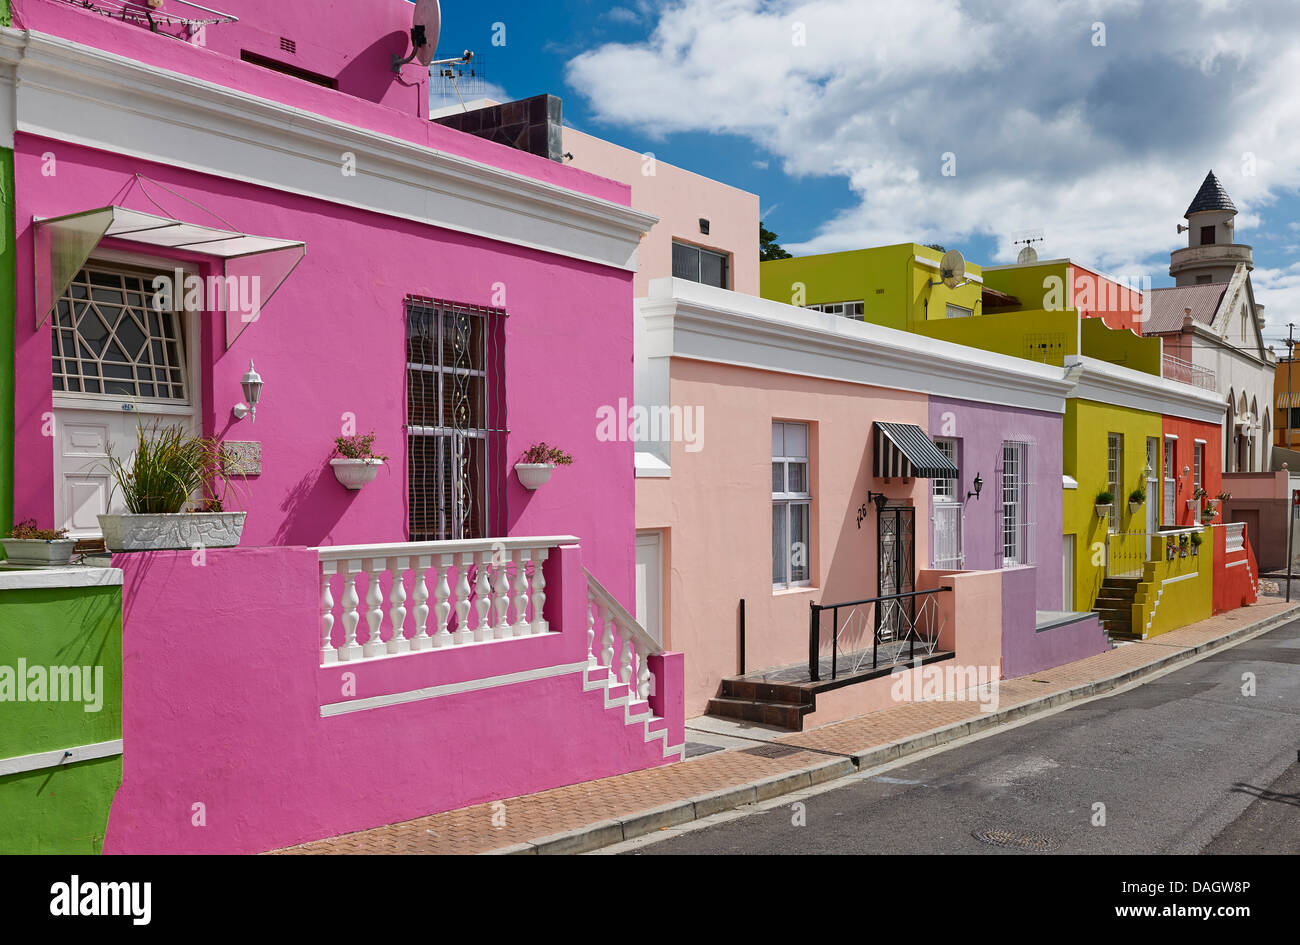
1191, 458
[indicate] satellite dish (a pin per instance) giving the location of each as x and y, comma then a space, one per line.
952, 268
427, 17
426, 25
1027, 255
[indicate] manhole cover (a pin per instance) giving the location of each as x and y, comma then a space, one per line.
1015, 840
695, 749
772, 751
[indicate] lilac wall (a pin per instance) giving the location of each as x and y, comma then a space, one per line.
1026, 649
981, 430
331, 342
222, 697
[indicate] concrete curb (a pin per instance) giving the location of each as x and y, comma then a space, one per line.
608, 832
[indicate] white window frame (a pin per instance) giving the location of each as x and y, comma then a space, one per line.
1198, 479
1114, 478
855, 310
1169, 504
787, 504
946, 505
958, 311
1017, 521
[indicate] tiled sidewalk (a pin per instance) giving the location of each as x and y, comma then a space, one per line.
596, 813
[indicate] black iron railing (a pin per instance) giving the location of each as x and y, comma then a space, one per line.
895, 622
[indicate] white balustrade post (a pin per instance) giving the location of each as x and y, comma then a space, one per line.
374, 606
643, 677
591, 629
443, 610
522, 559
625, 659
539, 595
463, 632
482, 599
501, 600
607, 637
398, 643
350, 649
420, 594
327, 652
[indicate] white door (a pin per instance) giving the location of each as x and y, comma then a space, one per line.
650, 583
117, 363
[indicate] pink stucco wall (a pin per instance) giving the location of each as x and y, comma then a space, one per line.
222, 697
716, 513
350, 42
331, 342
679, 198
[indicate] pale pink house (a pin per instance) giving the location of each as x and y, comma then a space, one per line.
461, 299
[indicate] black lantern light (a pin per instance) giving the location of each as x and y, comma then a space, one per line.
979, 486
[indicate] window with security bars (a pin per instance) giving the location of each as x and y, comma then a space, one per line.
1198, 479
946, 514
109, 339
700, 265
1114, 478
455, 420
1017, 519
791, 505
1169, 506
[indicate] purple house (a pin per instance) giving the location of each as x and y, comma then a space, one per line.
202, 201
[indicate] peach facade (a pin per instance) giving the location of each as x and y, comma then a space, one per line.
680, 199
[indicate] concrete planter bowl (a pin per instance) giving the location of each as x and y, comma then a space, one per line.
355, 473
532, 476
36, 551
172, 532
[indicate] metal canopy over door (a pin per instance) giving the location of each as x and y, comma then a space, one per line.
896, 564
117, 362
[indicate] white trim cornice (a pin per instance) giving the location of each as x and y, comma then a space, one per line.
689, 320
66, 91
1108, 383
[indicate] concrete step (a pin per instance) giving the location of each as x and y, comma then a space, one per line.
788, 715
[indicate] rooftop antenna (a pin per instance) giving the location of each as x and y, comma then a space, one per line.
1028, 254
426, 27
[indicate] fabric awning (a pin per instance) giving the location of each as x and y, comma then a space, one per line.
63, 244
906, 451
1285, 400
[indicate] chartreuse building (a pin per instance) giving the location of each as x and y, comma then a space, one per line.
1149, 441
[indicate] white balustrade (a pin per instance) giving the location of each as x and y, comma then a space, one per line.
1235, 537
635, 645
495, 588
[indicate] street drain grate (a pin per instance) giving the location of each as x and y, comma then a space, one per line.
772, 751
1014, 840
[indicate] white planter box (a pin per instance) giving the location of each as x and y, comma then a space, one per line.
38, 551
1101, 510
178, 532
533, 475
355, 473
1191, 504
1133, 507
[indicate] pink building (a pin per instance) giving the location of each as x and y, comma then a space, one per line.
461, 299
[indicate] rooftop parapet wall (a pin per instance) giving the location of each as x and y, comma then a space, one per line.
1036, 335
1121, 346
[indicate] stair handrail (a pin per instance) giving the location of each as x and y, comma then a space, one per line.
620, 615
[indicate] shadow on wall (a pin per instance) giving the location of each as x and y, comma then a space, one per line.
370, 72
312, 508
851, 572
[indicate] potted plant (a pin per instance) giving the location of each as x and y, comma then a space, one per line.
1183, 544
1219, 500
536, 464
27, 544
1171, 549
1196, 543
159, 485
1208, 515
1105, 499
1135, 500
355, 461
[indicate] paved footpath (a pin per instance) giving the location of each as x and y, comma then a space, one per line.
594, 814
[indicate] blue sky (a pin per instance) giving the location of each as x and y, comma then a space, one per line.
1091, 122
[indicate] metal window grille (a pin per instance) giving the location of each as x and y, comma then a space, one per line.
1171, 491
455, 420
1198, 471
1114, 477
110, 340
791, 505
947, 517
1016, 524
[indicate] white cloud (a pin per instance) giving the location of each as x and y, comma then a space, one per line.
1100, 147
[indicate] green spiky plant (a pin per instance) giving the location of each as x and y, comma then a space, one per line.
169, 469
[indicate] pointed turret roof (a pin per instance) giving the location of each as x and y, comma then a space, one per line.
1211, 196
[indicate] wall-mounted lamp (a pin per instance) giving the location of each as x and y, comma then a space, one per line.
979, 486
880, 500
252, 385
1147, 471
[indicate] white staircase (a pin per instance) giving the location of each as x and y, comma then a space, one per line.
620, 668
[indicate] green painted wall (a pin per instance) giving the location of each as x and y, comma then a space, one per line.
1086, 425
1046, 337
1026, 283
894, 288
1122, 347
62, 809
8, 308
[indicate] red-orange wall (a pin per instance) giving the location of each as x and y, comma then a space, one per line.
1096, 296
1233, 586
1188, 431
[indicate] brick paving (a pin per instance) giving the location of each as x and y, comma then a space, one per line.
529, 818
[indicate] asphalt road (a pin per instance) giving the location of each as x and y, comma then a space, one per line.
1185, 763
